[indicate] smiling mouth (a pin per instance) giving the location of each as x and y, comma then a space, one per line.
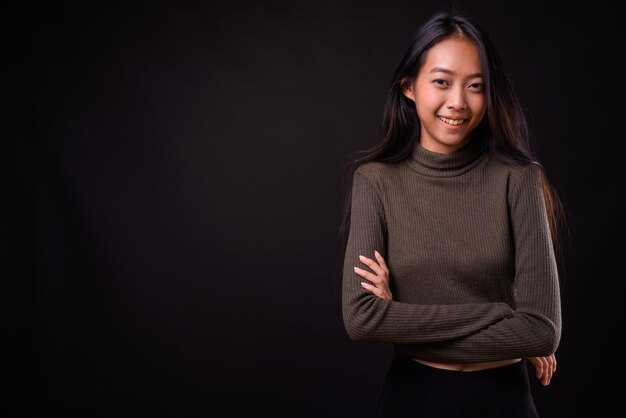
453, 122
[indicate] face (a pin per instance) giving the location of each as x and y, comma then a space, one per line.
449, 95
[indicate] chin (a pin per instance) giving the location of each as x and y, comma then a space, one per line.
456, 143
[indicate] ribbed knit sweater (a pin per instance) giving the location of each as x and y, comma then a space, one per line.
468, 246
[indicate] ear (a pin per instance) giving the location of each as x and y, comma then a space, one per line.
407, 86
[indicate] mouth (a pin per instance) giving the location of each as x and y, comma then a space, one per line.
450, 121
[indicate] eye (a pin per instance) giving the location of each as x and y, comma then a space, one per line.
440, 82
476, 86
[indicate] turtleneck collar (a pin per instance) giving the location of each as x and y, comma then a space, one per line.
436, 164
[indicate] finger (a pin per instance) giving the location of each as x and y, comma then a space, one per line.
367, 275
371, 264
381, 260
545, 378
554, 357
376, 291
552, 361
549, 378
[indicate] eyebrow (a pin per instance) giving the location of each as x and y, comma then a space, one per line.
445, 70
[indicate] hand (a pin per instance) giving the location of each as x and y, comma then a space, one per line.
544, 368
380, 280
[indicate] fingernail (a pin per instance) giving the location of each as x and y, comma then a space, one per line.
356, 269
376, 252
361, 257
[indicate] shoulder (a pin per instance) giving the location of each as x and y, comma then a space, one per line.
524, 183
526, 176
516, 174
373, 170
369, 176
381, 176
380, 173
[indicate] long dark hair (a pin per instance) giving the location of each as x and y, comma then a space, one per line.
504, 126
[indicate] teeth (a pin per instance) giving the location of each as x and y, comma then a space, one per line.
454, 122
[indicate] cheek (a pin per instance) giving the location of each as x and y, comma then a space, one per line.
478, 106
427, 102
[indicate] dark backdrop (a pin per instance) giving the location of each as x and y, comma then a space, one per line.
172, 193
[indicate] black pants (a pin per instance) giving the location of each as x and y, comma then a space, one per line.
412, 389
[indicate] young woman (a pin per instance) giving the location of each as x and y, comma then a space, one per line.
450, 231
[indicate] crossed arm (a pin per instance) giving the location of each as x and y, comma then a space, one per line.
545, 366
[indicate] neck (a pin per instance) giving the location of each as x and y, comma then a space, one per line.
436, 164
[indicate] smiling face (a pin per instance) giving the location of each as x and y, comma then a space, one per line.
449, 95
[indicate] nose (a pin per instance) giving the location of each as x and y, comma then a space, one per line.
456, 98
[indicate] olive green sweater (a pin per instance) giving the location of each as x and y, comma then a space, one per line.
468, 246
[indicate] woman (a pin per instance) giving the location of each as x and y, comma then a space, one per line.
451, 229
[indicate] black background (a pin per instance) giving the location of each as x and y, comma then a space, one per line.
172, 194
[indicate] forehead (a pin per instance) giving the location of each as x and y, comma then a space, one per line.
459, 56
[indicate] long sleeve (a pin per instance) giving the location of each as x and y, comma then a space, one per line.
368, 318
535, 328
